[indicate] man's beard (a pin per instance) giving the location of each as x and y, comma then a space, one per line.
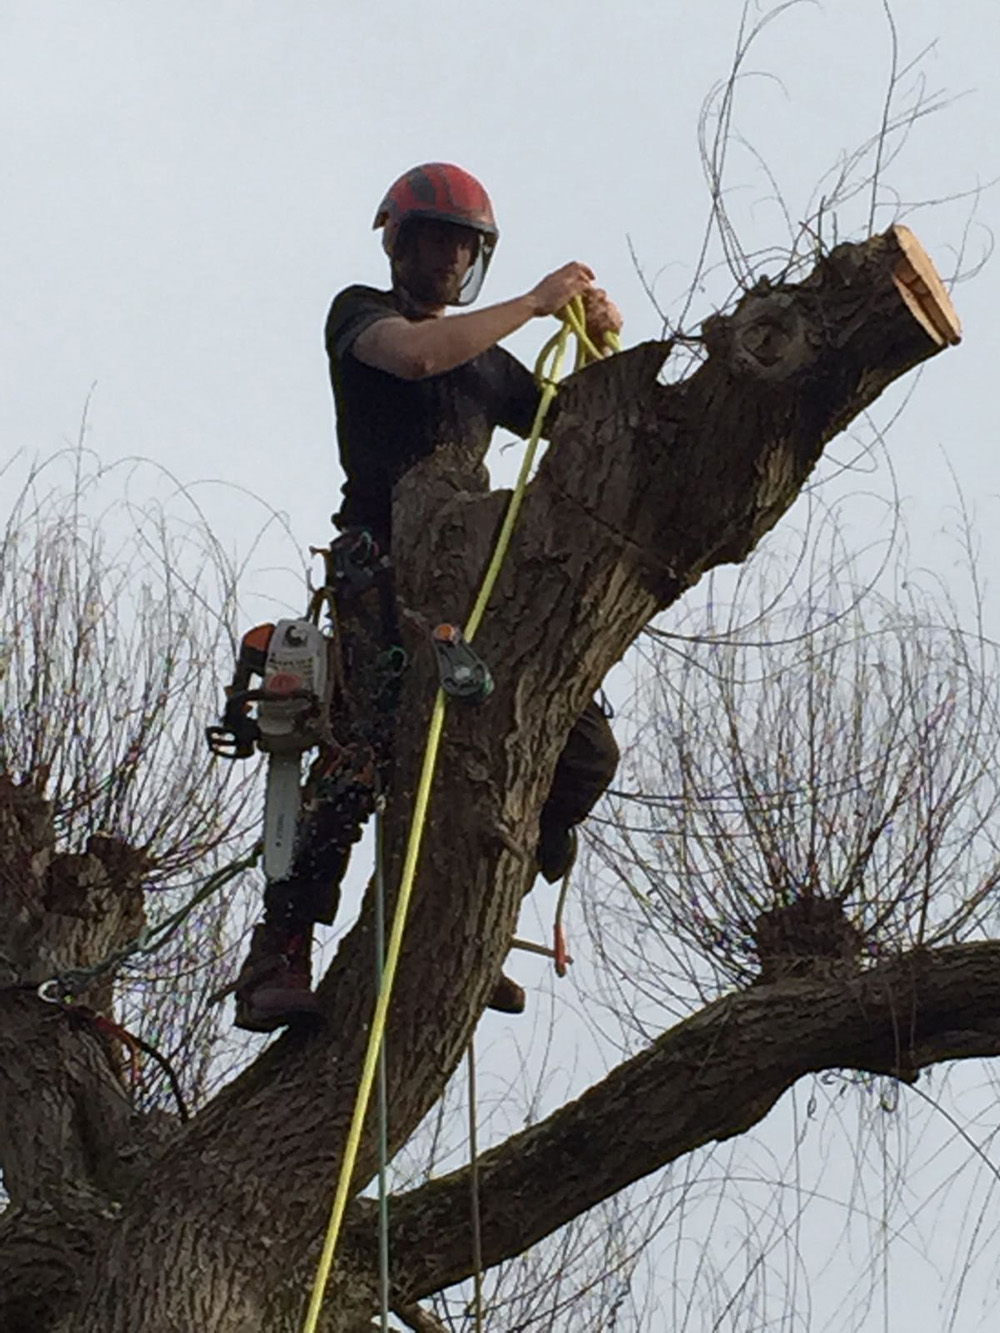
428, 289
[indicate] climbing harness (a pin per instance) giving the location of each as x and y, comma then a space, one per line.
547, 372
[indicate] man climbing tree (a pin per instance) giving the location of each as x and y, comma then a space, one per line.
408, 384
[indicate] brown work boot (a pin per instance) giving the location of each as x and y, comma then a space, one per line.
273, 988
507, 997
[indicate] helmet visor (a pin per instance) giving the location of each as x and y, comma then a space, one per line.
473, 281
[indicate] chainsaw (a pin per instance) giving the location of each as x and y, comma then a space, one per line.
283, 717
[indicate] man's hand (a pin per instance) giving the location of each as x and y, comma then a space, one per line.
556, 291
559, 288
601, 315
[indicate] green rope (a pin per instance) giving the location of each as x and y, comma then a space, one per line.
476, 1214
383, 1102
67, 985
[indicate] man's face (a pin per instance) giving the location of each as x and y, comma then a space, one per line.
432, 259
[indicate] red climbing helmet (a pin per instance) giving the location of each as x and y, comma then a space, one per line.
446, 192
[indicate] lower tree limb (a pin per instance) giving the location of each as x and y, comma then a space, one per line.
707, 1079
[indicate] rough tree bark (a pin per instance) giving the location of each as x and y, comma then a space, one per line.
117, 1227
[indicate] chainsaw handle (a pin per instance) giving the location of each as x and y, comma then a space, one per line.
229, 743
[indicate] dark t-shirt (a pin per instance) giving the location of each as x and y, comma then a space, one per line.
386, 424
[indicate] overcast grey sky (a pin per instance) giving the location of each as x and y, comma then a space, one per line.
184, 186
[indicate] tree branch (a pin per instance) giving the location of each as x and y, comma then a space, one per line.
707, 1079
420, 1320
58, 910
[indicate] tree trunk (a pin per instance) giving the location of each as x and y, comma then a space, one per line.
644, 488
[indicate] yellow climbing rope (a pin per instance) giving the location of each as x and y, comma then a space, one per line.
572, 322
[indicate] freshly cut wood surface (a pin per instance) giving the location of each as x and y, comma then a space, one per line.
919, 284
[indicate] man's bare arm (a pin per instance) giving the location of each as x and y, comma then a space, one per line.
415, 350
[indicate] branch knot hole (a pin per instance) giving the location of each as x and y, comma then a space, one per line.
769, 337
